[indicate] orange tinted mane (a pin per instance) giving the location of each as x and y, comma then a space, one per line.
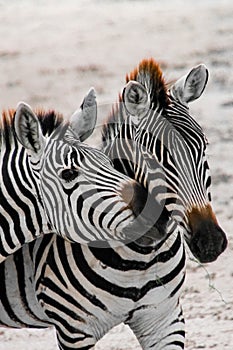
112, 122
149, 74
6, 119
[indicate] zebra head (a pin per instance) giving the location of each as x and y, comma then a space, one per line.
84, 198
168, 152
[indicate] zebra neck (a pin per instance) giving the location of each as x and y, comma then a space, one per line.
22, 217
118, 144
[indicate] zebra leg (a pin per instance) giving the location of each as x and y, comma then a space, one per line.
159, 329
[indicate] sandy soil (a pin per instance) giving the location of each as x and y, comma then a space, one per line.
52, 52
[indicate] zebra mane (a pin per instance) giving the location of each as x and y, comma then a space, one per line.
49, 120
113, 121
150, 75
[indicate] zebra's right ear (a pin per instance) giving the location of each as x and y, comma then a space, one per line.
136, 100
27, 129
191, 86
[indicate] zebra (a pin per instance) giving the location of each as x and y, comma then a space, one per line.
50, 181
85, 290
151, 136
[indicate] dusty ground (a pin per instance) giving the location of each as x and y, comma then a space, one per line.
52, 52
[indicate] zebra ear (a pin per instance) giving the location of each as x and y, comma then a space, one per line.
191, 86
136, 99
83, 121
27, 128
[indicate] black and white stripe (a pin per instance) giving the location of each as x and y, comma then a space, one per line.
85, 291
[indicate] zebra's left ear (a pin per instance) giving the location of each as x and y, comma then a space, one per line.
136, 100
27, 129
83, 121
191, 86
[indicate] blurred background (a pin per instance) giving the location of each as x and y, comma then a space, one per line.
52, 52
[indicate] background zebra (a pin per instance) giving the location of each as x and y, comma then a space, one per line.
84, 291
152, 137
51, 182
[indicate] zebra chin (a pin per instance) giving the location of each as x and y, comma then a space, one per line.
208, 240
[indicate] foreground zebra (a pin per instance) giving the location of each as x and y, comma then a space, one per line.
84, 291
51, 182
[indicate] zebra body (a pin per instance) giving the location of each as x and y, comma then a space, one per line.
85, 291
51, 182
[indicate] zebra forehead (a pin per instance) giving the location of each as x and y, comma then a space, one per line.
150, 75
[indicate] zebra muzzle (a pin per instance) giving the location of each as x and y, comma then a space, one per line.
208, 240
151, 219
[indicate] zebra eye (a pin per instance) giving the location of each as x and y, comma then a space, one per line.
69, 174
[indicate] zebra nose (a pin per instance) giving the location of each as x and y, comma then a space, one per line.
141, 202
150, 217
208, 240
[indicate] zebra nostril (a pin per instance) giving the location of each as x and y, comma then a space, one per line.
151, 218
127, 194
142, 203
135, 196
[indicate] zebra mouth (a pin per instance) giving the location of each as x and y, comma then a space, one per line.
149, 225
151, 238
206, 246
208, 240
206, 254
145, 241
145, 232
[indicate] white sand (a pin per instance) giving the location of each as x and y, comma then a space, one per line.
50, 54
